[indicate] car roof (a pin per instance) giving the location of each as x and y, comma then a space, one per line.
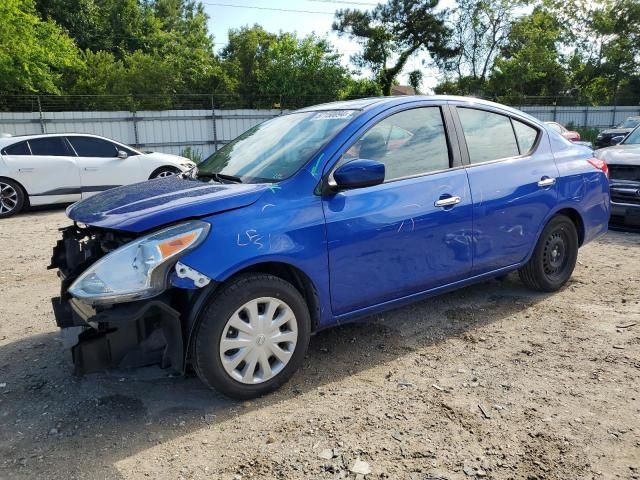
365, 104
6, 141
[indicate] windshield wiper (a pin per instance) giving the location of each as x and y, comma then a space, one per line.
221, 177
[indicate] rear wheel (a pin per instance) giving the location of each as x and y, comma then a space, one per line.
165, 172
252, 336
12, 198
554, 257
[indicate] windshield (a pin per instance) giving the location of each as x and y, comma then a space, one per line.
277, 148
633, 138
630, 123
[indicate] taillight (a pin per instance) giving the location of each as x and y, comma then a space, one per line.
600, 165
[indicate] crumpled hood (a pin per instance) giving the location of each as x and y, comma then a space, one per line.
146, 205
620, 154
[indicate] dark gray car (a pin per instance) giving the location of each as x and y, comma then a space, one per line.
624, 173
604, 138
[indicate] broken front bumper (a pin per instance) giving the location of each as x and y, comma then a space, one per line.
124, 336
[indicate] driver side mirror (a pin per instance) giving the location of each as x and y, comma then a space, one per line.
357, 174
122, 154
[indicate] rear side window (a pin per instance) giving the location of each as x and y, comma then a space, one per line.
525, 135
93, 147
20, 148
53, 146
489, 135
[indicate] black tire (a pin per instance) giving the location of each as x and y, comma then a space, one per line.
206, 357
12, 198
554, 257
164, 172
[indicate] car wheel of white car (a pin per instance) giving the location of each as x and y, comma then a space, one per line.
11, 198
165, 172
252, 337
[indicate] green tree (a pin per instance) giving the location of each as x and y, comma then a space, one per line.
34, 54
529, 63
265, 66
415, 79
360, 88
480, 29
244, 56
603, 38
391, 33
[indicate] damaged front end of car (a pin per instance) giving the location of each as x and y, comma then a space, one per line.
126, 301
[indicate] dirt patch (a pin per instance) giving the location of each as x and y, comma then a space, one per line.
491, 381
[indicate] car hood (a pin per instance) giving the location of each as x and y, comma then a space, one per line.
620, 154
146, 205
619, 131
167, 158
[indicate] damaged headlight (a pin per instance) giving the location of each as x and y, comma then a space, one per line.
138, 269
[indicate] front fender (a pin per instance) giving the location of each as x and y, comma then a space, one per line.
279, 227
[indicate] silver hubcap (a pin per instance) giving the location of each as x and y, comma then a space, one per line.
165, 173
8, 198
258, 340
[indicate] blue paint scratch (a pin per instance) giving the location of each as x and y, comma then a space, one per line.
316, 165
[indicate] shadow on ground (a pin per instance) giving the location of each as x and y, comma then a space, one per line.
93, 422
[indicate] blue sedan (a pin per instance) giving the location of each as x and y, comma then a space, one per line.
315, 218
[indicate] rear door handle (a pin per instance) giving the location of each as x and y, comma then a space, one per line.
25, 170
546, 182
447, 202
90, 169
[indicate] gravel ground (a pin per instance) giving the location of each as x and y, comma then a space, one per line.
490, 381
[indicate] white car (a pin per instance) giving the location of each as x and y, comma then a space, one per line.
64, 168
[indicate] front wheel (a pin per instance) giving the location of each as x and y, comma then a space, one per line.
554, 257
164, 172
252, 336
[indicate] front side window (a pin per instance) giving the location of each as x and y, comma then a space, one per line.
93, 147
277, 148
489, 135
409, 143
49, 146
20, 148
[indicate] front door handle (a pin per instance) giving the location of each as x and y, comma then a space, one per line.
447, 202
90, 169
546, 182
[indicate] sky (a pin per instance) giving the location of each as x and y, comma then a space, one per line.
313, 16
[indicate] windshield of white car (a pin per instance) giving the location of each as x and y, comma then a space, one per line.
630, 123
633, 138
276, 149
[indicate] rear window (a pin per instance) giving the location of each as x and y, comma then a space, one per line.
52, 146
489, 135
20, 148
526, 136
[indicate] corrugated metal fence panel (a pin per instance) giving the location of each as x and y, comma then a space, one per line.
172, 131
20, 123
582, 116
114, 125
